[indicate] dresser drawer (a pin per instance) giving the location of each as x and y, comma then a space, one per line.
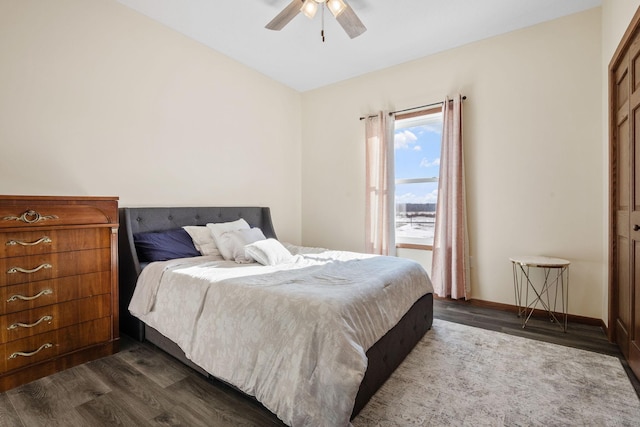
44, 346
27, 323
40, 267
26, 296
13, 244
38, 215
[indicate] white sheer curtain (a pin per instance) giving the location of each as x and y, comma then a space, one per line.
450, 269
380, 181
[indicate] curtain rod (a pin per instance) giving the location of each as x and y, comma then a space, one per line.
414, 108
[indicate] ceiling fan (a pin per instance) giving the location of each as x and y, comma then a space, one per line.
343, 13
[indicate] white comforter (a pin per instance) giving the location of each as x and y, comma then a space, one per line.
292, 335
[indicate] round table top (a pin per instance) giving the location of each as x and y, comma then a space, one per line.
540, 261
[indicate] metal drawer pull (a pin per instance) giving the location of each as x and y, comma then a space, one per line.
33, 353
23, 298
30, 217
17, 325
13, 270
44, 239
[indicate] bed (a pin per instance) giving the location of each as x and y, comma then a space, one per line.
382, 357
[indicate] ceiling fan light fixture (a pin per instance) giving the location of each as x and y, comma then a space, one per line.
336, 7
343, 13
309, 8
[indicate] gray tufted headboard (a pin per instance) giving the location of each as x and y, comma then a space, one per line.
139, 220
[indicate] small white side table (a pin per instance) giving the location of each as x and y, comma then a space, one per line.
555, 283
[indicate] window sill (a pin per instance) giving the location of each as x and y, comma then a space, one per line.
414, 246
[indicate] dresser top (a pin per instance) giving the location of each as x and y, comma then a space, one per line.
56, 198
37, 211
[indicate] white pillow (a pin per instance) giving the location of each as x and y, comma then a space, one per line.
268, 252
235, 241
216, 230
202, 239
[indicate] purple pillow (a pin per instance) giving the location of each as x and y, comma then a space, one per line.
164, 245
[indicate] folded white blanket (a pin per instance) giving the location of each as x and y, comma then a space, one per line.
293, 335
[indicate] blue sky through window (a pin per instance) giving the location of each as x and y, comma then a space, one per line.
417, 155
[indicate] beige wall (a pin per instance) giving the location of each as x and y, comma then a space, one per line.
533, 151
96, 99
616, 16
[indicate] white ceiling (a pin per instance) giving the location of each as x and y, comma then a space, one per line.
397, 31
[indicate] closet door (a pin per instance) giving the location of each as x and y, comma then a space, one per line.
624, 324
622, 168
633, 66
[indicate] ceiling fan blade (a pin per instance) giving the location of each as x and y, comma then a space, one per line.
284, 17
351, 23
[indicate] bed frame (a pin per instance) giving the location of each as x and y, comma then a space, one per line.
383, 357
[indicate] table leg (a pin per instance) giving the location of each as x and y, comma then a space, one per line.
527, 309
517, 288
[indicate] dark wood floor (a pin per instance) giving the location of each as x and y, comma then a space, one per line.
142, 386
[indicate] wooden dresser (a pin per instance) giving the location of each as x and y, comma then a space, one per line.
58, 284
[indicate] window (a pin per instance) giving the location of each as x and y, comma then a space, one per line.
417, 139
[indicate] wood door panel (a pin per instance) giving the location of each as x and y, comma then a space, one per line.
624, 284
623, 168
622, 338
635, 163
621, 114
633, 357
622, 219
633, 333
634, 100
622, 85
633, 59
633, 302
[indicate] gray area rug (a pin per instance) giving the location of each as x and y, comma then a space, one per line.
464, 376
